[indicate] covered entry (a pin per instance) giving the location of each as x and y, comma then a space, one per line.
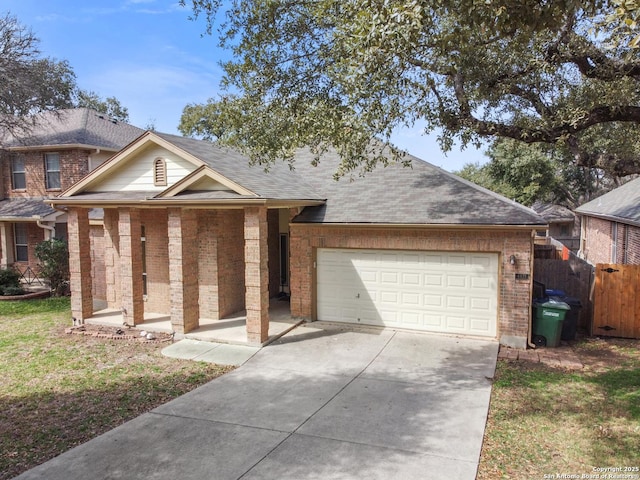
448, 292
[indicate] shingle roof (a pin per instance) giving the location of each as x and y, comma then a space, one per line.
622, 204
554, 213
24, 209
423, 194
278, 183
78, 126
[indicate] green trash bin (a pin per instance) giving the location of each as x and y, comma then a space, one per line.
547, 323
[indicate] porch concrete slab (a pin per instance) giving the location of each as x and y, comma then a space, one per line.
188, 349
263, 398
413, 357
163, 447
301, 457
220, 353
334, 350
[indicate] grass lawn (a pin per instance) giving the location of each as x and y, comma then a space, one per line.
548, 421
59, 390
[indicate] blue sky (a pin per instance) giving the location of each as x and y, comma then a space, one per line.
154, 60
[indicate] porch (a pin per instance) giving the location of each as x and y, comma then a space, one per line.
230, 330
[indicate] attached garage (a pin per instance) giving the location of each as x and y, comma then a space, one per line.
434, 291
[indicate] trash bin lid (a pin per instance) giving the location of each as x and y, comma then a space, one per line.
553, 292
571, 301
551, 303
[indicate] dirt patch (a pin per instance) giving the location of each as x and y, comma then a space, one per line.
598, 353
125, 334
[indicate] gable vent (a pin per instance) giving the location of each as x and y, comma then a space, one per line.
159, 172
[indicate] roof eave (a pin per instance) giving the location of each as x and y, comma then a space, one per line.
195, 203
61, 146
447, 226
611, 218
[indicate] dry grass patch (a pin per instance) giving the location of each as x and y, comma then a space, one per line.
60, 390
546, 420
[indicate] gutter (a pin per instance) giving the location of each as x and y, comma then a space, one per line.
446, 226
61, 202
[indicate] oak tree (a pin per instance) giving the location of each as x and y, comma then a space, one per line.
343, 72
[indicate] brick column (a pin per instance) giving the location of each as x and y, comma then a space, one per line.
80, 263
183, 269
129, 233
256, 256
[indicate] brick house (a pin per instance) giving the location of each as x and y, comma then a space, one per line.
58, 151
610, 230
193, 232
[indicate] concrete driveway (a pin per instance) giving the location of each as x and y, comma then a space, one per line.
327, 403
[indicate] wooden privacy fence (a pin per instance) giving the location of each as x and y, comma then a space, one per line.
573, 276
616, 301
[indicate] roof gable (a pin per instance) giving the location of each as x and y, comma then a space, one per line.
204, 179
621, 204
132, 169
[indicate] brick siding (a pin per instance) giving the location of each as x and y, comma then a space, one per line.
74, 165
633, 245
221, 262
157, 263
96, 236
598, 242
514, 295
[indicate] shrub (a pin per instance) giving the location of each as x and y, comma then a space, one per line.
53, 256
13, 290
10, 282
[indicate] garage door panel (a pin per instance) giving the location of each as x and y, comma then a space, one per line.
456, 302
454, 323
432, 300
433, 280
482, 282
459, 281
409, 279
481, 304
433, 291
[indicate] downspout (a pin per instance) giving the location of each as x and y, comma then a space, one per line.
530, 344
52, 230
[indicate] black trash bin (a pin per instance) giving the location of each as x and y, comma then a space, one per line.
570, 325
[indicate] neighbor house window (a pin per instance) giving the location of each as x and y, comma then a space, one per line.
21, 241
52, 170
18, 174
159, 172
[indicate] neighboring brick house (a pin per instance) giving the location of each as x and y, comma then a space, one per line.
58, 151
610, 230
194, 233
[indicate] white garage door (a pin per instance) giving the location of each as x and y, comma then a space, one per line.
431, 291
